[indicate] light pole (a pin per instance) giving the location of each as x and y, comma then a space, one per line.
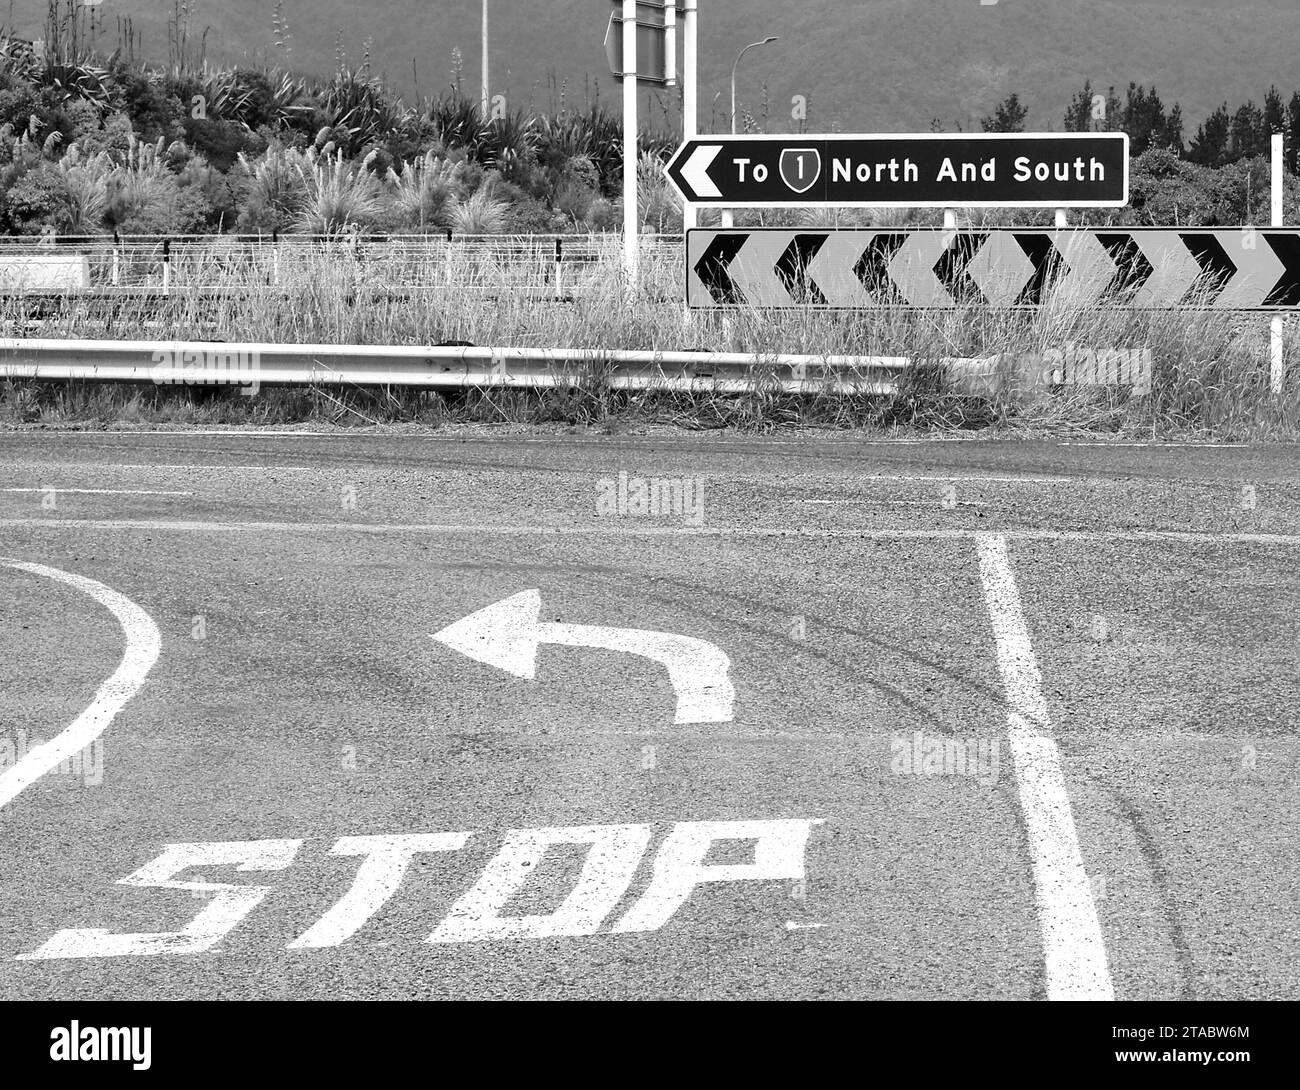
486, 104
726, 215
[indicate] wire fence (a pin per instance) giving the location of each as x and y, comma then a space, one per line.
556, 266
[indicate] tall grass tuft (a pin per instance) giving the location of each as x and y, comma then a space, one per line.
337, 194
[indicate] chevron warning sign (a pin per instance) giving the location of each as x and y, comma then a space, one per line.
1144, 268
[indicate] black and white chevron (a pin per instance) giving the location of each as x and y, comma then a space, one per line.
1145, 268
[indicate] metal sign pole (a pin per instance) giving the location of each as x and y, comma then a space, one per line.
631, 226
1277, 359
690, 115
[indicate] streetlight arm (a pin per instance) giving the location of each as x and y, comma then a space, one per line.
735, 67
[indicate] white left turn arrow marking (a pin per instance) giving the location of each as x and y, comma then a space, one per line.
696, 170
507, 633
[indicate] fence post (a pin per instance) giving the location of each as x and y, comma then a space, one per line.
275, 255
167, 267
559, 260
1277, 358
116, 275
447, 263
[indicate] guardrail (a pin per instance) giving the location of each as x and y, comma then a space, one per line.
459, 366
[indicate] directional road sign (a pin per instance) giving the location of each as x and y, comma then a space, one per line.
655, 53
1145, 268
930, 170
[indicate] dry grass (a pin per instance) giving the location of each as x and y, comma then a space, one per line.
1210, 370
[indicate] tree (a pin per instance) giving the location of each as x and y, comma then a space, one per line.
1249, 137
1009, 116
1293, 125
1078, 115
1275, 119
1210, 144
1146, 123
1172, 137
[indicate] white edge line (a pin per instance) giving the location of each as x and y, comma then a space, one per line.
98, 491
611, 529
1073, 948
143, 644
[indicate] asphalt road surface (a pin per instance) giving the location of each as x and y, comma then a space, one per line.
549, 716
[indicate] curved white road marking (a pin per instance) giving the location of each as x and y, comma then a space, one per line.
1074, 949
143, 644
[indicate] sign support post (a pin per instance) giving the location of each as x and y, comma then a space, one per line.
1277, 358
631, 226
690, 44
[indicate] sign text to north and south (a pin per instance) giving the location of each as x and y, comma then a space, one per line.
1061, 170
621, 886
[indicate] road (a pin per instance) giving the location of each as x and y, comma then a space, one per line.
840, 719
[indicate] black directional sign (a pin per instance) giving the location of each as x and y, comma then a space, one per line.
930, 170
1143, 268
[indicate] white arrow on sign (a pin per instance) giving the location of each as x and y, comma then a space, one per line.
696, 170
506, 635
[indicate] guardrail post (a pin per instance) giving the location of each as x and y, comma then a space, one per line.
1277, 328
116, 275
559, 259
167, 267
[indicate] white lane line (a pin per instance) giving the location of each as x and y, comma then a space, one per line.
224, 468
1159, 446
1073, 948
143, 644
794, 925
868, 501
98, 491
522, 437
968, 478
608, 529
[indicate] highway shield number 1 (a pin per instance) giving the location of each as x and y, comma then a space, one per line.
800, 168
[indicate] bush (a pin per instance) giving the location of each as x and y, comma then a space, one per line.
221, 142
271, 191
33, 200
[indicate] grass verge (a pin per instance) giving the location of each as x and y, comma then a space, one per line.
1210, 370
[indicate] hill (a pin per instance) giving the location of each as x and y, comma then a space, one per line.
864, 64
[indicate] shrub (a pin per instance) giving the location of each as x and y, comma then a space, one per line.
425, 192
145, 197
273, 190
221, 142
479, 214
33, 200
85, 193
337, 194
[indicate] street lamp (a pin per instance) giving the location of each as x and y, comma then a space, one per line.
726, 216
752, 45
486, 100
